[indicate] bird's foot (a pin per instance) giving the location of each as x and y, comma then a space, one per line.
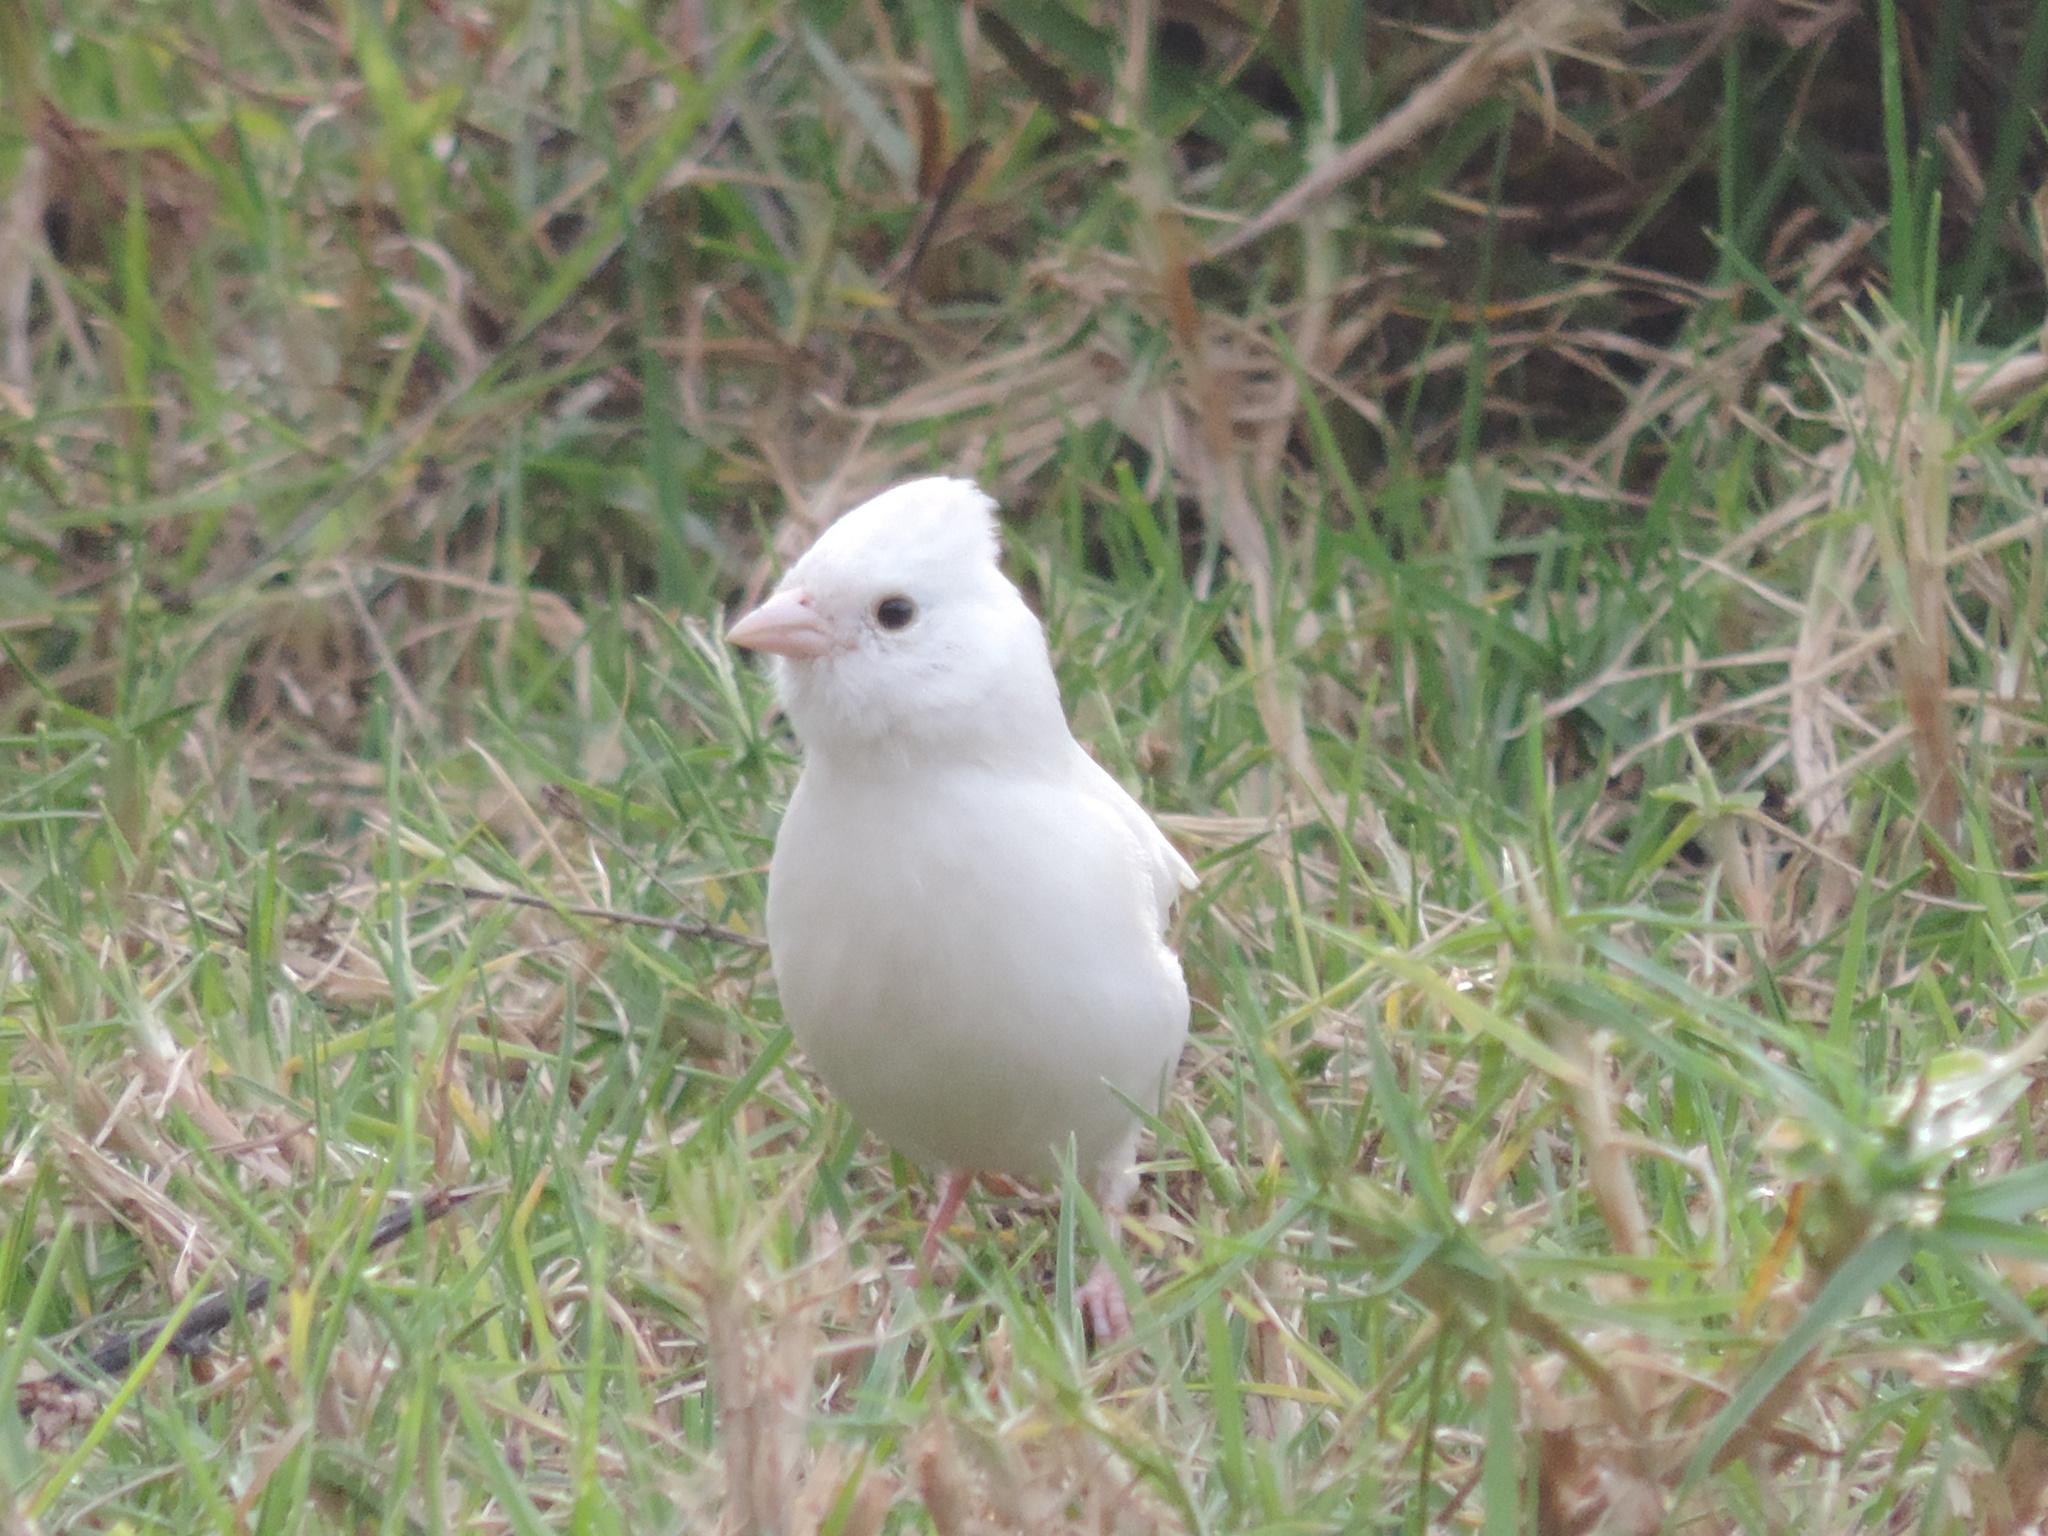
1103, 1308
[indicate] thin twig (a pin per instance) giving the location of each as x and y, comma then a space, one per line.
687, 926
194, 1336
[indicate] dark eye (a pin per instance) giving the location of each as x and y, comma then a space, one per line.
895, 612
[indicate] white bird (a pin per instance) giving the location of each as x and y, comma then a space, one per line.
966, 913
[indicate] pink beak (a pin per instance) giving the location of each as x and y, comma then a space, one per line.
786, 625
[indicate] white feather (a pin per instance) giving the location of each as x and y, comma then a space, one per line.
966, 913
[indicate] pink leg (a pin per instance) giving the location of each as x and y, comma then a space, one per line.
1101, 1299
1103, 1307
953, 1187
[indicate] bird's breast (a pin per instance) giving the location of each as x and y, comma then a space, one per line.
974, 964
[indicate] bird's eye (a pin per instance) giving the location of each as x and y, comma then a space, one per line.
895, 612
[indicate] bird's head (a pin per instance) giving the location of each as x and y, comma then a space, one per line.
898, 638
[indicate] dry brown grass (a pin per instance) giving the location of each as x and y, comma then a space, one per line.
1597, 667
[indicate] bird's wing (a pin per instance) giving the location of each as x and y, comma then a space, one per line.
1169, 873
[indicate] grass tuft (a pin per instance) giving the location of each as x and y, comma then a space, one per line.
1545, 501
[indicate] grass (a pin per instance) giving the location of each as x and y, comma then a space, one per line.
1545, 502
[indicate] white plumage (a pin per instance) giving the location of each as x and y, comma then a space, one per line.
966, 914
